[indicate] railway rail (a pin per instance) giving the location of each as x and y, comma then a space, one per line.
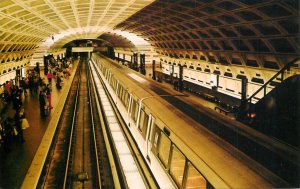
89, 148
74, 160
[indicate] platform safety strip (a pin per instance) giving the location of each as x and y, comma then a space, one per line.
37, 164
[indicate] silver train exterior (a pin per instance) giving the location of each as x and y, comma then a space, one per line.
180, 152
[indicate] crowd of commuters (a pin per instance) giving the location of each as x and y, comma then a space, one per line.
13, 92
12, 114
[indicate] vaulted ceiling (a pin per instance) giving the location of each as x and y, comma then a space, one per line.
262, 33
241, 32
27, 24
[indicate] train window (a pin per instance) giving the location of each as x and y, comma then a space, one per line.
143, 123
112, 83
194, 179
126, 98
155, 137
177, 166
120, 90
134, 110
122, 97
164, 149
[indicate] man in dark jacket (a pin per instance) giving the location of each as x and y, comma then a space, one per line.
42, 103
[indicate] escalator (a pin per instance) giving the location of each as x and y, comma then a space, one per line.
277, 114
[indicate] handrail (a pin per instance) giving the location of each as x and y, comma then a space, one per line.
287, 66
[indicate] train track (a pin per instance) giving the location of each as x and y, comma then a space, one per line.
78, 156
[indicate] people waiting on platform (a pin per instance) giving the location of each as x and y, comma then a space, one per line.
12, 114
10, 121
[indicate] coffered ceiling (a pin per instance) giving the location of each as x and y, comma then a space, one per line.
255, 33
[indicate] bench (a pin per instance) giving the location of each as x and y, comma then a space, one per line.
222, 110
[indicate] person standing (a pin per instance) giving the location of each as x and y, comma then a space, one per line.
42, 103
48, 93
58, 81
18, 121
49, 76
7, 87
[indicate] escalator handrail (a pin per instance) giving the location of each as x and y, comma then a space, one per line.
287, 66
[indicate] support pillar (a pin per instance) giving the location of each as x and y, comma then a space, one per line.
142, 64
243, 107
135, 61
153, 70
180, 81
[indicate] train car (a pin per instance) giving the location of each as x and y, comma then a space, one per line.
180, 152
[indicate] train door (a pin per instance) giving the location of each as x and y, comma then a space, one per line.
106, 73
133, 109
117, 88
109, 77
139, 113
129, 108
129, 104
149, 135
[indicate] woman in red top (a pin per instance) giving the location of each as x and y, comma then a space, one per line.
7, 87
49, 76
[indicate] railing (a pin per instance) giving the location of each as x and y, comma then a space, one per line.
264, 87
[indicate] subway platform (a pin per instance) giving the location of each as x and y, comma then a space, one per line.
14, 165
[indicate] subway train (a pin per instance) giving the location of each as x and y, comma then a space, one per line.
180, 152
